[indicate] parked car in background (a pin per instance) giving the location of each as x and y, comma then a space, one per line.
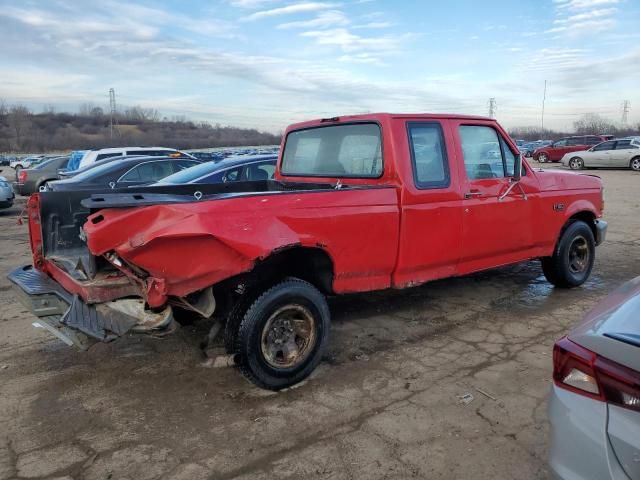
31, 179
125, 173
5, 161
623, 153
233, 169
64, 174
6, 193
209, 156
93, 156
594, 405
74, 159
528, 148
26, 162
555, 151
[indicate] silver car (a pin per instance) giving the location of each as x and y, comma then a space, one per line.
6, 193
622, 153
594, 406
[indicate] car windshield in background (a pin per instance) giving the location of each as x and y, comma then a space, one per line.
353, 150
189, 174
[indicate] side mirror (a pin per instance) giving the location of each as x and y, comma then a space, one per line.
517, 169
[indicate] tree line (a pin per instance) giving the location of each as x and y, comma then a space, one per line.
22, 130
587, 124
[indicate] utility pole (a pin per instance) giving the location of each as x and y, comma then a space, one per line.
544, 98
492, 107
112, 109
626, 106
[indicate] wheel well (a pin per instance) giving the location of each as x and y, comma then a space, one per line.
307, 263
587, 217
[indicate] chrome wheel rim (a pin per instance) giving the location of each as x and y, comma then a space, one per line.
575, 164
288, 337
542, 158
579, 255
635, 164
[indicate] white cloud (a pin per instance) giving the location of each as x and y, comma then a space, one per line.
584, 28
374, 25
331, 18
593, 14
583, 4
301, 7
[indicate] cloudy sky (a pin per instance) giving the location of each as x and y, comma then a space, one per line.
266, 63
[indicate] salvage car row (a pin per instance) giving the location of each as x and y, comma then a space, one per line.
119, 168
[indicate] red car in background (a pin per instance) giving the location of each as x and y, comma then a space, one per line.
555, 151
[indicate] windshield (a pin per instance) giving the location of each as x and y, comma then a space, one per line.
92, 172
189, 174
353, 150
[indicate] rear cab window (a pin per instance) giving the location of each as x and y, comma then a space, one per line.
348, 150
428, 155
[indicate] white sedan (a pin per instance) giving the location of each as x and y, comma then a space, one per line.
623, 153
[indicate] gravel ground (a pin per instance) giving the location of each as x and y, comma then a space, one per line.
384, 403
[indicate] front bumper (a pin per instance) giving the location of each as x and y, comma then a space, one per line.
78, 323
601, 231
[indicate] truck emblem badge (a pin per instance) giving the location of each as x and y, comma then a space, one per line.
558, 207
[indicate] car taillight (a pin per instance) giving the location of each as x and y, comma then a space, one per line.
22, 176
584, 372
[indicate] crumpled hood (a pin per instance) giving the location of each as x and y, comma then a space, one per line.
551, 180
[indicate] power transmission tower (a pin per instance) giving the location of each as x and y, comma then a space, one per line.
626, 106
113, 118
492, 107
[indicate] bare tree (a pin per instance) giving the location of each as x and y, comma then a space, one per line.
3, 107
592, 123
19, 119
85, 109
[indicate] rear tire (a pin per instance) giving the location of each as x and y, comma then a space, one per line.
572, 261
635, 164
282, 335
576, 163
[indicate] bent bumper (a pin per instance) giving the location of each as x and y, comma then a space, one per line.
601, 231
78, 323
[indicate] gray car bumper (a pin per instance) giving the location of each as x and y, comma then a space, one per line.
580, 448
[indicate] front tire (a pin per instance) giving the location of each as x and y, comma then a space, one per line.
572, 261
283, 334
576, 163
635, 164
543, 158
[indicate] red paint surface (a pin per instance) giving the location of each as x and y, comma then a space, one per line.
393, 236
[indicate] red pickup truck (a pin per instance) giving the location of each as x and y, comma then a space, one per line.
358, 203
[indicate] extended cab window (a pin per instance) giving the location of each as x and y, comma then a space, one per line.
428, 155
350, 150
560, 143
486, 155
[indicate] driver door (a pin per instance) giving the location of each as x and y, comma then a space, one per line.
496, 230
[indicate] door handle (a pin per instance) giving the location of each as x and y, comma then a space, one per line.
471, 194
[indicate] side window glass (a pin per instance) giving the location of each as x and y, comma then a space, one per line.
560, 143
623, 145
132, 175
428, 155
481, 151
604, 146
509, 159
232, 175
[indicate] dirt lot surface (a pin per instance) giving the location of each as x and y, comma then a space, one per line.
384, 403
